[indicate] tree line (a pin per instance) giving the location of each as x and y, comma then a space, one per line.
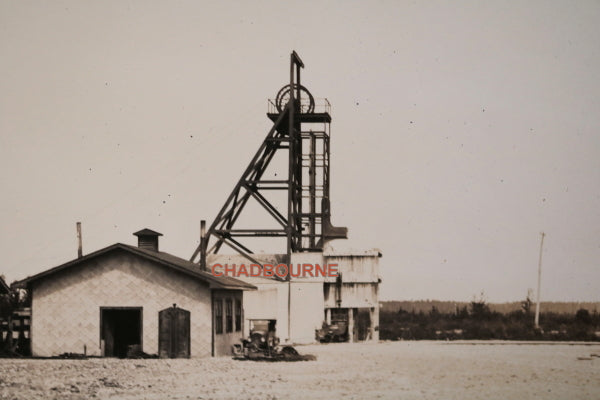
478, 320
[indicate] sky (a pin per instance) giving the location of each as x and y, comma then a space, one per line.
461, 131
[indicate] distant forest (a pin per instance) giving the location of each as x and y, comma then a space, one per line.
447, 307
448, 320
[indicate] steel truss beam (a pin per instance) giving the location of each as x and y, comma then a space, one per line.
305, 231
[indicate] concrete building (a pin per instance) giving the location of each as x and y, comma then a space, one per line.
124, 298
300, 306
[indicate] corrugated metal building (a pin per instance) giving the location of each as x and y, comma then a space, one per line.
124, 298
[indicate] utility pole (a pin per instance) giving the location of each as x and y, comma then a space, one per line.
537, 305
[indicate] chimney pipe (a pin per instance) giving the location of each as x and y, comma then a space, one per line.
79, 241
203, 244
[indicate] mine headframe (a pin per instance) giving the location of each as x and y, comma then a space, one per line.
301, 128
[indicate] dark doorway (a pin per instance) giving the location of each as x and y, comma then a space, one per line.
120, 328
363, 324
174, 333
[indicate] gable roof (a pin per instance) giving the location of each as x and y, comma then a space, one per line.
147, 232
165, 259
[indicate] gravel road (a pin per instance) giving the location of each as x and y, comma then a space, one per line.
388, 370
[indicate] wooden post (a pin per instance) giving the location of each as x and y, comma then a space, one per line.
374, 323
351, 325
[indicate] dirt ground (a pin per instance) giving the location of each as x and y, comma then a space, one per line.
389, 370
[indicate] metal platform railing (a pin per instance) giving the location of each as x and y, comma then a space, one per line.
322, 105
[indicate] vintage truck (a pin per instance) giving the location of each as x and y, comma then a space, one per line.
263, 345
337, 331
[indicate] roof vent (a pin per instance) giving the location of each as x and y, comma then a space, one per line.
148, 239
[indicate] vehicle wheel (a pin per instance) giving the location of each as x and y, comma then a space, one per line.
289, 351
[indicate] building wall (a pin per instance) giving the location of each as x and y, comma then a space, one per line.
261, 303
66, 305
224, 340
361, 268
353, 295
306, 310
359, 287
311, 296
268, 302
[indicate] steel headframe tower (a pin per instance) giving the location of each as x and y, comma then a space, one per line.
301, 128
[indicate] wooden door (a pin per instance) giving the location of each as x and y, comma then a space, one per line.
174, 333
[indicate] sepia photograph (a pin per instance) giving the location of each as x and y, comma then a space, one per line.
383, 199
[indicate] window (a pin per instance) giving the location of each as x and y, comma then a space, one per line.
218, 316
238, 315
228, 316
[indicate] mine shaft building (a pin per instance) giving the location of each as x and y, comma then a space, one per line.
123, 299
293, 162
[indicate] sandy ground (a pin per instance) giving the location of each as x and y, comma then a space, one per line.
390, 370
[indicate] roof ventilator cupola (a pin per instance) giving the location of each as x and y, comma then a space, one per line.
148, 239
